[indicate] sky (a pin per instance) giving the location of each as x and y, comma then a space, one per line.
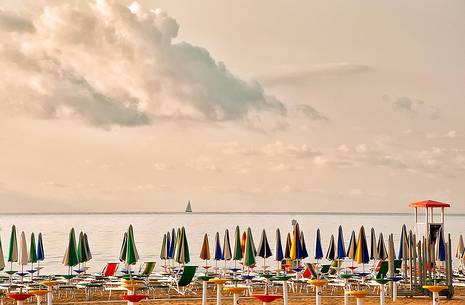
234, 105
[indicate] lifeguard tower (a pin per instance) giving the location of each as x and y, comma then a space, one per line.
426, 222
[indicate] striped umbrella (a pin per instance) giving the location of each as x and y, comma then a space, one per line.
40, 249
243, 241
318, 249
237, 245
164, 249
352, 246
441, 246
278, 249
124, 245
182, 249
287, 250
296, 246
218, 252
132, 256
227, 255
303, 245
13, 248
32, 251
249, 253
361, 255
172, 244
81, 249
205, 251
70, 258
2, 258
341, 250
168, 245
264, 250
381, 249
373, 244
331, 253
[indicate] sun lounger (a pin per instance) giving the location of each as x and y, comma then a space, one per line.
181, 284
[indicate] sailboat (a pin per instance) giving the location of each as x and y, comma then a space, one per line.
189, 207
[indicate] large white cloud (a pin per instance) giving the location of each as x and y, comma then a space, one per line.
109, 64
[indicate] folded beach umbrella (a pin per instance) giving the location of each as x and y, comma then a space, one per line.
249, 254
331, 253
381, 248
278, 249
132, 256
87, 247
167, 245
264, 250
296, 245
460, 248
227, 255
287, 250
237, 245
182, 249
441, 246
13, 248
361, 255
70, 258
243, 241
403, 244
352, 246
40, 248
124, 245
23, 257
82, 253
32, 250
373, 245
391, 256
218, 252
205, 251
303, 245
318, 248
164, 249
2, 258
341, 249
172, 243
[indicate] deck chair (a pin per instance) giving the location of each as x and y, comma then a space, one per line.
325, 269
335, 267
310, 271
181, 284
146, 269
110, 269
382, 270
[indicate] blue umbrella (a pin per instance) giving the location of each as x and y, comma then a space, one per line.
172, 249
361, 254
303, 245
341, 251
318, 249
218, 252
296, 246
441, 246
278, 249
40, 248
264, 250
331, 253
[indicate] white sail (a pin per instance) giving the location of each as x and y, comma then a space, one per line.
188, 207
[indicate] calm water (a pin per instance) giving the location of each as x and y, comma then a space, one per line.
105, 231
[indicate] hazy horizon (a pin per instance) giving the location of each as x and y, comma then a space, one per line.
299, 106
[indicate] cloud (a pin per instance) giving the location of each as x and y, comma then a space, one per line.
413, 106
326, 71
311, 113
276, 149
108, 64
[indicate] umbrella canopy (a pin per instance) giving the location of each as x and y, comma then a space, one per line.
341, 249
172, 247
167, 245
13, 248
132, 256
182, 249
40, 248
264, 250
87, 247
81, 250
303, 245
352, 248
218, 252
227, 255
381, 249
164, 248
33, 250
237, 244
278, 248
124, 245
296, 245
70, 258
2, 258
331, 253
391, 256
243, 241
373, 245
403, 244
441, 246
287, 250
361, 255
460, 248
205, 251
23, 255
249, 254
318, 248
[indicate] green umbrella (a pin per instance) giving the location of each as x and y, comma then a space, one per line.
249, 254
13, 249
70, 258
33, 250
82, 249
237, 245
124, 245
87, 246
182, 249
131, 251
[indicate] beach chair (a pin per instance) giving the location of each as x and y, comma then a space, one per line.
146, 269
110, 269
381, 270
181, 284
310, 271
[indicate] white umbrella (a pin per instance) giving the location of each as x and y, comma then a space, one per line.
23, 257
2, 258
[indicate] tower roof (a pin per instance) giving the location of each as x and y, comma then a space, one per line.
429, 204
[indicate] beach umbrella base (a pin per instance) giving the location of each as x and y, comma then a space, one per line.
205, 279
318, 284
266, 298
19, 297
358, 294
435, 291
382, 296
219, 283
49, 284
236, 291
39, 293
284, 278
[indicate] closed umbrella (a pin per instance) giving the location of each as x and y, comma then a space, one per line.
341, 250
205, 251
13, 249
373, 245
441, 246
172, 247
264, 250
303, 245
403, 250
227, 254
318, 248
2, 258
32, 254
70, 259
40, 252
381, 248
237, 246
82, 252
296, 245
460, 251
287, 250
351, 249
124, 245
218, 251
243, 241
361, 254
278, 249
331, 253
249, 253
182, 249
391, 271
23, 258
164, 250
87, 247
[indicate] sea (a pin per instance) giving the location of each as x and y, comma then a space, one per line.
105, 231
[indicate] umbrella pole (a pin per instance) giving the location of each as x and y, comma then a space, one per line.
285, 294
204, 292
381, 295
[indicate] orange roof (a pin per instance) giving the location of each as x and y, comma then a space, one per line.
429, 204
